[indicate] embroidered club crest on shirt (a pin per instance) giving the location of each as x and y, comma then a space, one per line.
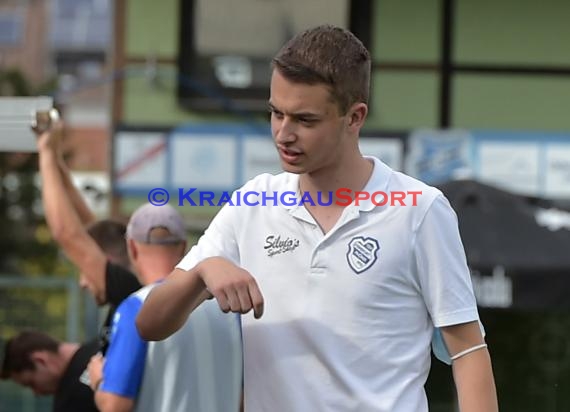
362, 253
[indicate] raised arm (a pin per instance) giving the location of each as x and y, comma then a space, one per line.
86, 216
63, 220
169, 304
472, 370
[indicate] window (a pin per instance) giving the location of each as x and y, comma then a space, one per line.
11, 28
226, 46
81, 24
471, 64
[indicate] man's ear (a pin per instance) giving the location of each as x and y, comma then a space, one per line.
39, 358
357, 115
183, 247
132, 249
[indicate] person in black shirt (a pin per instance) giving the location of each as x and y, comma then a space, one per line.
50, 367
120, 283
98, 249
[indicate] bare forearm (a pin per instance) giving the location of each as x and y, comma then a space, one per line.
108, 402
59, 212
475, 384
167, 307
64, 223
169, 304
85, 214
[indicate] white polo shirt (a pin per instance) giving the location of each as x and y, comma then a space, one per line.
349, 316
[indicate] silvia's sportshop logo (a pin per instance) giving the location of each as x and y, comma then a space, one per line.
275, 245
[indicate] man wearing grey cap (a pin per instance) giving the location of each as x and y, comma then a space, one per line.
170, 375
156, 225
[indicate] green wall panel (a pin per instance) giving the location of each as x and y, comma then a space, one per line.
154, 102
513, 31
406, 30
511, 102
403, 100
152, 28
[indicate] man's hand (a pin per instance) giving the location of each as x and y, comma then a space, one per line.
234, 288
95, 370
169, 304
51, 138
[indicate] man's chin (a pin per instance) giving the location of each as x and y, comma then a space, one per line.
289, 168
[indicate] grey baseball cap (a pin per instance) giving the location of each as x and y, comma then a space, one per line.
149, 217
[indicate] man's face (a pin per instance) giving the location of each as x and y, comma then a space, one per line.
307, 127
42, 380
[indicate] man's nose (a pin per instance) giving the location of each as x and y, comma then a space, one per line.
286, 132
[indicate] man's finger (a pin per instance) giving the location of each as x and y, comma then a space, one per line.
233, 300
256, 300
222, 301
208, 294
244, 299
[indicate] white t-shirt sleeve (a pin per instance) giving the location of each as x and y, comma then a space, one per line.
219, 239
442, 269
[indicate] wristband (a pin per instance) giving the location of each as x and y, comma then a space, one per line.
468, 351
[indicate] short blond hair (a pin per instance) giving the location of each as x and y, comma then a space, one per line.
328, 55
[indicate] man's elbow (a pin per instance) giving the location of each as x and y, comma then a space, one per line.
151, 328
147, 329
64, 236
58, 233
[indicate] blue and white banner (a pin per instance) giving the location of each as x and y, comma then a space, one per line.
436, 156
212, 157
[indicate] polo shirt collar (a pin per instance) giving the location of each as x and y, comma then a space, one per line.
292, 185
378, 182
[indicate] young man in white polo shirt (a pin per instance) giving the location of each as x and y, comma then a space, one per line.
350, 295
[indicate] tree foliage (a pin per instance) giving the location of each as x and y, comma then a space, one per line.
20, 199
26, 247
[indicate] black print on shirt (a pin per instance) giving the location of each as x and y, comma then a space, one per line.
275, 245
